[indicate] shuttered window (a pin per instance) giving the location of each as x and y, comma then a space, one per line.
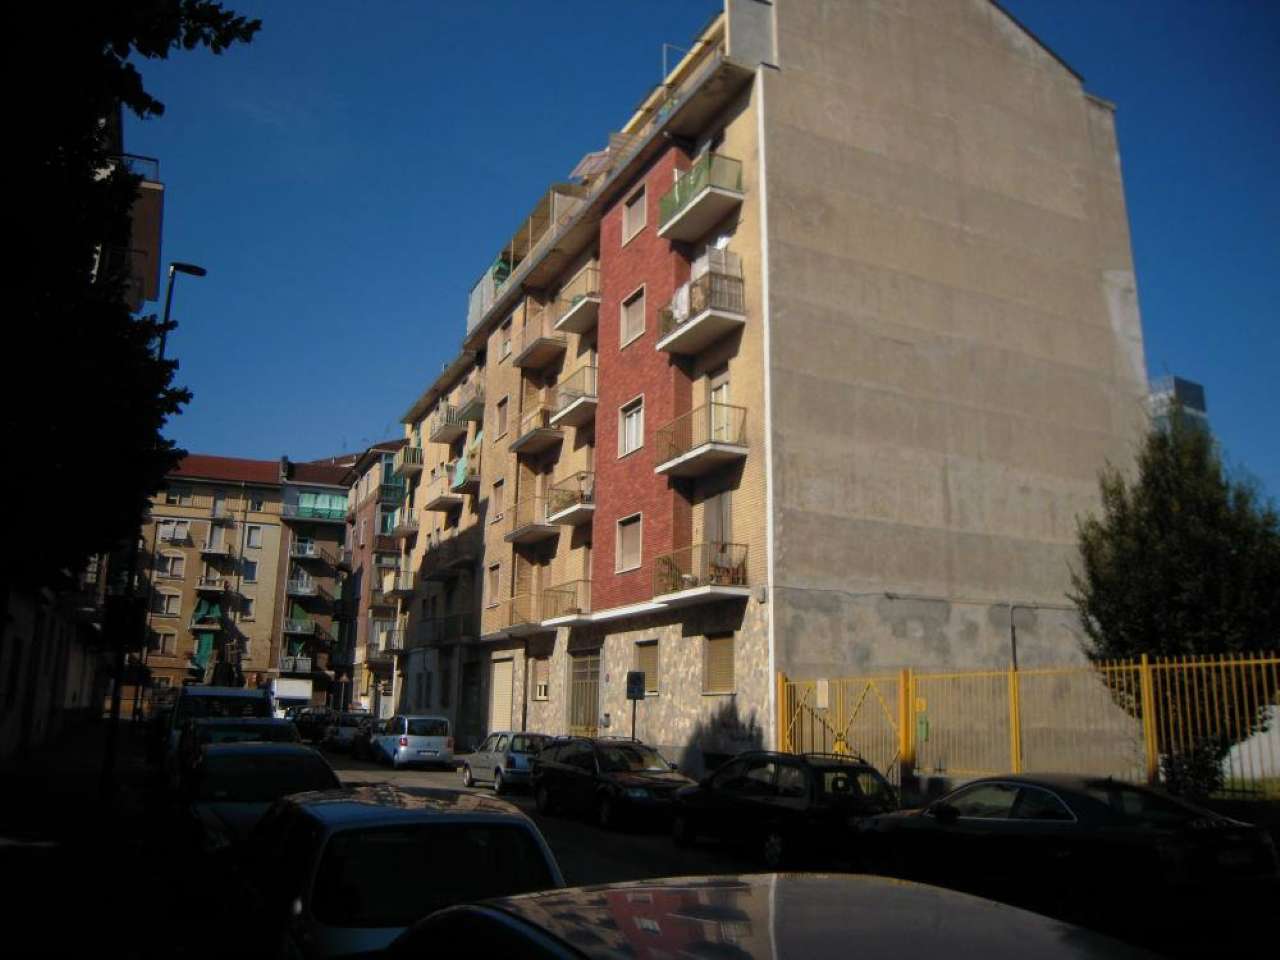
628, 543
542, 678
502, 419
494, 573
647, 663
633, 215
632, 316
717, 664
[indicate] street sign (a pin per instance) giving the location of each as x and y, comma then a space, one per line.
635, 684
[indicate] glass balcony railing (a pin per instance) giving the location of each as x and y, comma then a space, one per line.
303, 511
701, 565
711, 171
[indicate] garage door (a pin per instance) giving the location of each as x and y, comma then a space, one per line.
500, 696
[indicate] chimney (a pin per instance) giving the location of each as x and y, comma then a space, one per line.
284, 469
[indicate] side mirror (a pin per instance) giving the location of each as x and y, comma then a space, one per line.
944, 813
672, 766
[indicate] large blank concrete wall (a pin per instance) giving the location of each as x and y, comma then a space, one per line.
955, 346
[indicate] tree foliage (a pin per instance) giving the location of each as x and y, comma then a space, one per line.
1183, 560
85, 398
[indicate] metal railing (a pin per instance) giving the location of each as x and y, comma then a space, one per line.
701, 565
305, 588
306, 627
447, 418
148, 168
709, 423
391, 492
530, 511
408, 459
515, 611
406, 523
310, 550
293, 664
583, 285
711, 291
440, 485
471, 392
298, 511
1202, 726
581, 383
539, 324
577, 488
452, 628
566, 599
709, 170
464, 473
222, 549
389, 641
213, 583
538, 418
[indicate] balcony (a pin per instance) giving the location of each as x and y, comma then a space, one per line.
221, 511
572, 501
528, 523
701, 573
401, 587
566, 604
537, 432
448, 559
705, 310
219, 549
578, 303
515, 617
575, 399
386, 561
312, 513
213, 585
391, 493
471, 400
702, 440
703, 196
407, 462
539, 342
406, 524
439, 494
207, 621
310, 550
464, 474
387, 642
455, 628
379, 598
305, 588
446, 425
300, 627
344, 558
295, 665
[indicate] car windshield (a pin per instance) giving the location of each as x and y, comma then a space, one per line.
261, 779
523, 743
190, 708
1142, 806
630, 757
851, 783
243, 732
365, 876
428, 727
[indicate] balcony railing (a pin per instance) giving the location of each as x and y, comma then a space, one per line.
539, 341
148, 168
215, 584
447, 558
454, 628
305, 588
439, 493
293, 664
220, 549
701, 198
391, 492
573, 499
310, 550
388, 641
701, 440
527, 521
380, 598
701, 565
518, 613
406, 524
537, 432
407, 462
578, 302
302, 627
566, 600
471, 400
401, 586
464, 473
298, 511
446, 425
344, 558
574, 399
701, 313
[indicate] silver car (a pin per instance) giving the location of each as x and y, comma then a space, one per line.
504, 759
410, 738
342, 872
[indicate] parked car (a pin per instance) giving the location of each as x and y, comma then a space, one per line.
784, 805
611, 780
1091, 844
203, 731
410, 739
343, 872
232, 785
362, 742
313, 722
504, 759
809, 916
198, 700
343, 729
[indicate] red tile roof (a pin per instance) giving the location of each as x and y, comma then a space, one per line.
204, 467
317, 473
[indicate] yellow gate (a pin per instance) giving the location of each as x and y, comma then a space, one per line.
852, 715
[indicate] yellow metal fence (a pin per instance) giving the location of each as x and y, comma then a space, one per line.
1204, 723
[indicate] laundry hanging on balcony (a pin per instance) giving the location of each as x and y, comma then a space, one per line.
460, 470
207, 611
204, 650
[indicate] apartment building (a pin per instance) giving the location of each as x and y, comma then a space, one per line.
809, 370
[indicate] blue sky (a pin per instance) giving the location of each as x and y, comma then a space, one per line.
346, 178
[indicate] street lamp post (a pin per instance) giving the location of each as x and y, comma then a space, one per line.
175, 268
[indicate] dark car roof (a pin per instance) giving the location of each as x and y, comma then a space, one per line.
258, 748
815, 916
241, 722
383, 803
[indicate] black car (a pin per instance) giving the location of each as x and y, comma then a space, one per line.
785, 805
1078, 847
362, 742
313, 722
609, 779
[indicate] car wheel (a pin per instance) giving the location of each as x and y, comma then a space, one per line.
682, 831
499, 788
542, 800
773, 850
606, 815
467, 779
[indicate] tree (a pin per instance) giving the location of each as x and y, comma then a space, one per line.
83, 417
1184, 560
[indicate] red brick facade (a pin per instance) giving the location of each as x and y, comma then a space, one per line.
628, 485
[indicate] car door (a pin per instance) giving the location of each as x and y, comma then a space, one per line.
577, 775
743, 796
389, 739
970, 850
482, 761
498, 754
1047, 861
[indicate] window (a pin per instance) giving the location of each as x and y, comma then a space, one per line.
633, 215
747, 778
631, 427
717, 664
256, 502
632, 317
495, 503
161, 683
791, 782
178, 496
166, 604
647, 663
246, 608
175, 530
171, 565
504, 341
502, 418
253, 536
502, 743
1036, 804
164, 643
542, 678
495, 571
984, 801
628, 557
250, 568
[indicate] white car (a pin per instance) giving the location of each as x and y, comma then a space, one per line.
411, 738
